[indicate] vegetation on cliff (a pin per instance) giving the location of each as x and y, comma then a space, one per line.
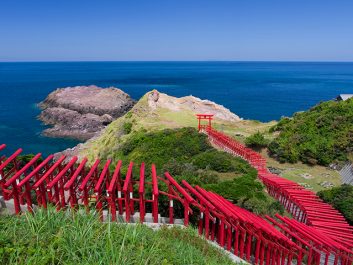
50, 237
158, 130
167, 113
187, 154
321, 135
340, 198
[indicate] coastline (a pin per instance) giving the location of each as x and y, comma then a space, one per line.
255, 91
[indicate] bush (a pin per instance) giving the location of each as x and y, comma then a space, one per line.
341, 198
214, 160
164, 146
207, 177
256, 140
321, 135
128, 115
127, 127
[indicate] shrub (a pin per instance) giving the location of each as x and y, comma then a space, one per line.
161, 147
214, 160
127, 127
256, 140
247, 192
321, 135
128, 115
341, 198
207, 177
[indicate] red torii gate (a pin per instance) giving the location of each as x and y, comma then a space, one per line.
201, 117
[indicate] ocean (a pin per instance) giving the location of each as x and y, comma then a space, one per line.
262, 91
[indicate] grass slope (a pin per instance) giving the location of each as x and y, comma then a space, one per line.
142, 117
308, 176
49, 237
161, 136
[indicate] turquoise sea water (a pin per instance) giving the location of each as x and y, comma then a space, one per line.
254, 90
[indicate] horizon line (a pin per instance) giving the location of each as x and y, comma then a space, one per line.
239, 61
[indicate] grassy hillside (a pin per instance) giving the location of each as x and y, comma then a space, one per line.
49, 237
321, 135
142, 117
310, 176
169, 139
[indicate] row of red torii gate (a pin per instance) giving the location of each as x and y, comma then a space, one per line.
317, 233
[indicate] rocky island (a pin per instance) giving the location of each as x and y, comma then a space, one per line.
82, 111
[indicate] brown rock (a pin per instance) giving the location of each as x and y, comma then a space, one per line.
80, 112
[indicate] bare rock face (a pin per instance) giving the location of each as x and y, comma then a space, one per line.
190, 103
80, 112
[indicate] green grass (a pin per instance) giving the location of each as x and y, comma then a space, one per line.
296, 171
49, 237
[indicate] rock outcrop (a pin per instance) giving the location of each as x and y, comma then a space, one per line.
80, 112
190, 103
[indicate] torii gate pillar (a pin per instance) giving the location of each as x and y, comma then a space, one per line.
208, 117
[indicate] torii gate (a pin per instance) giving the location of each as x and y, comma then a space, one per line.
208, 117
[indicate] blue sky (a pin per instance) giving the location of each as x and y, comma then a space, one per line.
76, 30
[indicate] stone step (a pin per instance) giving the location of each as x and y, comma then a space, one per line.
135, 218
